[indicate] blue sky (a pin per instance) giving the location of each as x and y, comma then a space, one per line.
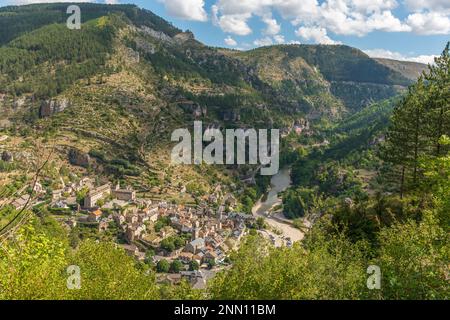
401, 29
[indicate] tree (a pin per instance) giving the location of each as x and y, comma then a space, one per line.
108, 272
163, 266
260, 223
210, 262
331, 268
419, 121
414, 260
149, 254
438, 77
193, 265
168, 244
33, 265
175, 266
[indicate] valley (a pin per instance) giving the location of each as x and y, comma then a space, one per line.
87, 177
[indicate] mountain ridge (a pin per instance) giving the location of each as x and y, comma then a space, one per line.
146, 78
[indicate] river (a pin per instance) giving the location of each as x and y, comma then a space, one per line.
279, 182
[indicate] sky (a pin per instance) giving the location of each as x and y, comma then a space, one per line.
414, 30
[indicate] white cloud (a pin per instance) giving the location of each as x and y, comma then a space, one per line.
429, 5
429, 23
316, 34
279, 39
234, 23
343, 17
24, 2
371, 6
267, 41
186, 9
272, 26
385, 21
358, 17
382, 53
230, 41
297, 9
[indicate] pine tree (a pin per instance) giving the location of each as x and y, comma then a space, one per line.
419, 121
438, 78
397, 148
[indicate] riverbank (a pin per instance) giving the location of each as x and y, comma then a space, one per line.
279, 182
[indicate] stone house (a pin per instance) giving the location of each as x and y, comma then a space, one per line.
195, 245
124, 194
96, 194
94, 216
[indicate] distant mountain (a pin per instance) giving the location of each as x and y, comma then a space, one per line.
348, 73
410, 70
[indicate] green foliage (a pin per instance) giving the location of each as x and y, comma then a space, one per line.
193, 265
296, 203
175, 266
17, 20
34, 264
343, 63
109, 273
260, 223
418, 123
262, 272
172, 243
196, 188
161, 223
163, 266
414, 260
74, 55
7, 166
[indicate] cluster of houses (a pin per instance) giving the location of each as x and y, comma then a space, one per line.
209, 230
212, 233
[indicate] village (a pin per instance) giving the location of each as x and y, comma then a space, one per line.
182, 242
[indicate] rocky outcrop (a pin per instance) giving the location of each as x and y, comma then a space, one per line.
19, 102
50, 107
159, 35
145, 46
230, 115
193, 108
7, 156
79, 158
5, 123
183, 37
132, 56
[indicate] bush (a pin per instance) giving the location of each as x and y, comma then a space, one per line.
193, 265
162, 266
175, 266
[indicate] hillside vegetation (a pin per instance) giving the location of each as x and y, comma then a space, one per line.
368, 146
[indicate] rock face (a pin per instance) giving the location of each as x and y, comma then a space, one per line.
193, 108
184, 36
159, 35
49, 107
18, 103
132, 56
79, 158
7, 156
145, 46
229, 115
